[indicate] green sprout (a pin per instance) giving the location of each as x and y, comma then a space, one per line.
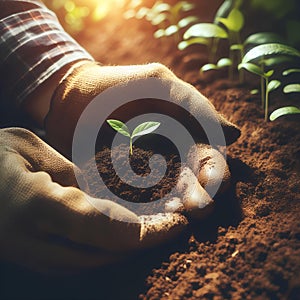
140, 130
207, 34
228, 22
289, 88
269, 55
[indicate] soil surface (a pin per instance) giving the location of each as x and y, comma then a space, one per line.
116, 167
249, 248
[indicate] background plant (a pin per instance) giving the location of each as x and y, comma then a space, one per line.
167, 18
269, 56
261, 53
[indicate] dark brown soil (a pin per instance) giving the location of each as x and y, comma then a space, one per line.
126, 187
250, 247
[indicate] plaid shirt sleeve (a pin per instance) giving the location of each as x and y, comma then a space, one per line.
33, 46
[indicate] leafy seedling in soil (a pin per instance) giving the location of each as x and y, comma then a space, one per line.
222, 63
228, 23
289, 88
233, 20
268, 55
254, 40
140, 130
207, 34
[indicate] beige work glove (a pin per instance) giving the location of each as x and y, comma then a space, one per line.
48, 224
88, 79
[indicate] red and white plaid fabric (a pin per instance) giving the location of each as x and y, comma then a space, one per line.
33, 46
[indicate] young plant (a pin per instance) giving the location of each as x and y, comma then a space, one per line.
228, 23
267, 55
289, 88
233, 22
207, 34
140, 130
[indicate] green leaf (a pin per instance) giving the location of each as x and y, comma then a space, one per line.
160, 7
208, 67
205, 30
269, 73
276, 60
292, 88
224, 62
184, 44
290, 71
223, 10
237, 47
263, 38
158, 19
235, 20
171, 30
254, 92
159, 33
273, 85
287, 110
142, 12
129, 14
145, 128
261, 51
187, 21
181, 6
119, 127
252, 68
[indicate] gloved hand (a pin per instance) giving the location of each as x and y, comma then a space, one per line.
88, 79
48, 224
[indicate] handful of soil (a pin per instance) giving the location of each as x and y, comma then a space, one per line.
125, 188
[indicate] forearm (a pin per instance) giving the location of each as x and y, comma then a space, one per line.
35, 54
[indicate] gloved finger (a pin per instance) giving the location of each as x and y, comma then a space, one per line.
67, 211
40, 156
210, 167
194, 200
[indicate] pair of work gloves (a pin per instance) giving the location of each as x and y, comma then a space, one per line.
47, 223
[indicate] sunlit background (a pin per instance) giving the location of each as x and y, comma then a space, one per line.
76, 14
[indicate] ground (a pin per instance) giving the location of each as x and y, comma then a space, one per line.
250, 247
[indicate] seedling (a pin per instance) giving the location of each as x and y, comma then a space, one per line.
267, 55
222, 63
234, 23
228, 23
207, 34
140, 130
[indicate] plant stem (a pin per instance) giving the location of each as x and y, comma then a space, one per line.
213, 50
262, 91
231, 56
242, 54
131, 150
262, 88
266, 99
